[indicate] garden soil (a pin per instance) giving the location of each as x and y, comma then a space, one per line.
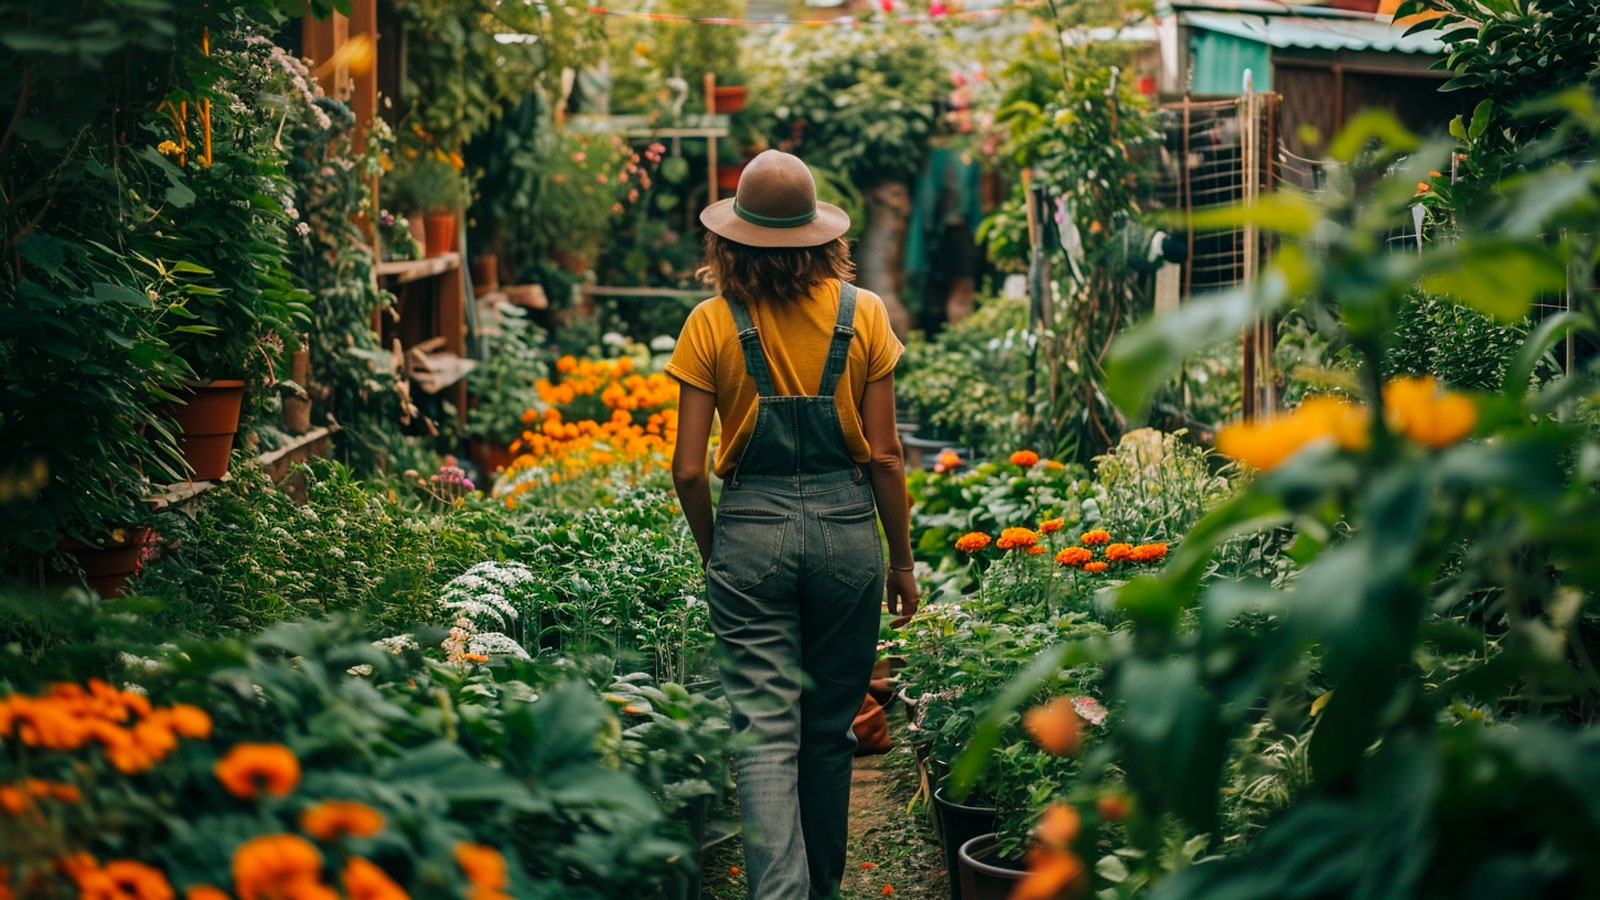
891, 845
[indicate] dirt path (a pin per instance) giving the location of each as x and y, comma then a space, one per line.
890, 847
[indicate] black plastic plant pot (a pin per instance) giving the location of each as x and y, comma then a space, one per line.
984, 875
959, 823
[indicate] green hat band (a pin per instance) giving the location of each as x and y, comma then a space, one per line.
804, 218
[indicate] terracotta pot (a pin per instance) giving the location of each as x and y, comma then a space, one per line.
488, 456
207, 421
441, 233
417, 224
108, 568
730, 99
958, 824
728, 176
485, 273
984, 875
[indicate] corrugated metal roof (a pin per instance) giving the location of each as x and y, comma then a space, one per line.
1315, 33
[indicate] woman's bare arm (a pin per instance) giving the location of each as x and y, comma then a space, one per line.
888, 473
696, 408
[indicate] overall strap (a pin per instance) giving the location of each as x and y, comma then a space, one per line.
839, 350
755, 359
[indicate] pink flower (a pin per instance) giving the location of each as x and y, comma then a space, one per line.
616, 207
579, 156
1089, 710
601, 178
633, 196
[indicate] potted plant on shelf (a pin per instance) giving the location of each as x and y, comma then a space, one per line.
428, 184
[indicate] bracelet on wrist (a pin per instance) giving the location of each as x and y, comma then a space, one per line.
910, 568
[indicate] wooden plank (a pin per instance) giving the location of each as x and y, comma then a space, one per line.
166, 496
402, 271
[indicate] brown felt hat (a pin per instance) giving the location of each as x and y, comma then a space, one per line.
776, 206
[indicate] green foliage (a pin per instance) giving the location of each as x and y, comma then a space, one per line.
522, 759
459, 78
1510, 54
968, 384
859, 101
688, 50
251, 556
1464, 348
97, 290
502, 385
1436, 612
422, 182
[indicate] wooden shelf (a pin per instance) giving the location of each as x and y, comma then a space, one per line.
401, 271
166, 496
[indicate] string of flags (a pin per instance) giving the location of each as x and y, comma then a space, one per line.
937, 11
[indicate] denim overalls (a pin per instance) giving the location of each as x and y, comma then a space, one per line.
795, 583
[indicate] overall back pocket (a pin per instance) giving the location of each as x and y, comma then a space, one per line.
747, 546
850, 535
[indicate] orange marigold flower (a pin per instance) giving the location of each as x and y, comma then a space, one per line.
331, 820
1119, 552
949, 459
1052, 875
1017, 538
1096, 566
249, 769
484, 865
1025, 458
888, 889
1055, 727
1058, 826
1095, 538
1423, 187
189, 721
363, 880
1112, 807
1417, 408
136, 881
204, 892
14, 800
1147, 552
275, 867
1054, 464
1051, 526
1074, 556
566, 364
474, 657
972, 542
1038, 550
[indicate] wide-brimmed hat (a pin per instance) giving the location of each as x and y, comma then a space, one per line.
776, 206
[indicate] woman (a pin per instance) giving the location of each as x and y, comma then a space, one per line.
800, 367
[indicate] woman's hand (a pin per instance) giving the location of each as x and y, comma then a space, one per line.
903, 595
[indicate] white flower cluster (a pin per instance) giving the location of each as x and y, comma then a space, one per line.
478, 599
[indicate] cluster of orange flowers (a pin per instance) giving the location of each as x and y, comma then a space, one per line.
134, 734
1075, 557
1414, 407
643, 425
1083, 557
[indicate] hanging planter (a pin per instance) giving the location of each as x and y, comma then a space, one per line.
441, 228
984, 874
108, 567
208, 419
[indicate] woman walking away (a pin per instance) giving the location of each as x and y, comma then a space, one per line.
799, 364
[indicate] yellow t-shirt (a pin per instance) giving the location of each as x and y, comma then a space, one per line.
795, 338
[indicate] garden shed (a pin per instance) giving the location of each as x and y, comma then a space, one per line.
1328, 64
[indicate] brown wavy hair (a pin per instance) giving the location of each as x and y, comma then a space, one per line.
773, 274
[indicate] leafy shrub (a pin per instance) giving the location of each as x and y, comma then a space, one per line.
967, 385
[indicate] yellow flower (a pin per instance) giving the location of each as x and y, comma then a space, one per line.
1417, 408
1263, 445
169, 148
